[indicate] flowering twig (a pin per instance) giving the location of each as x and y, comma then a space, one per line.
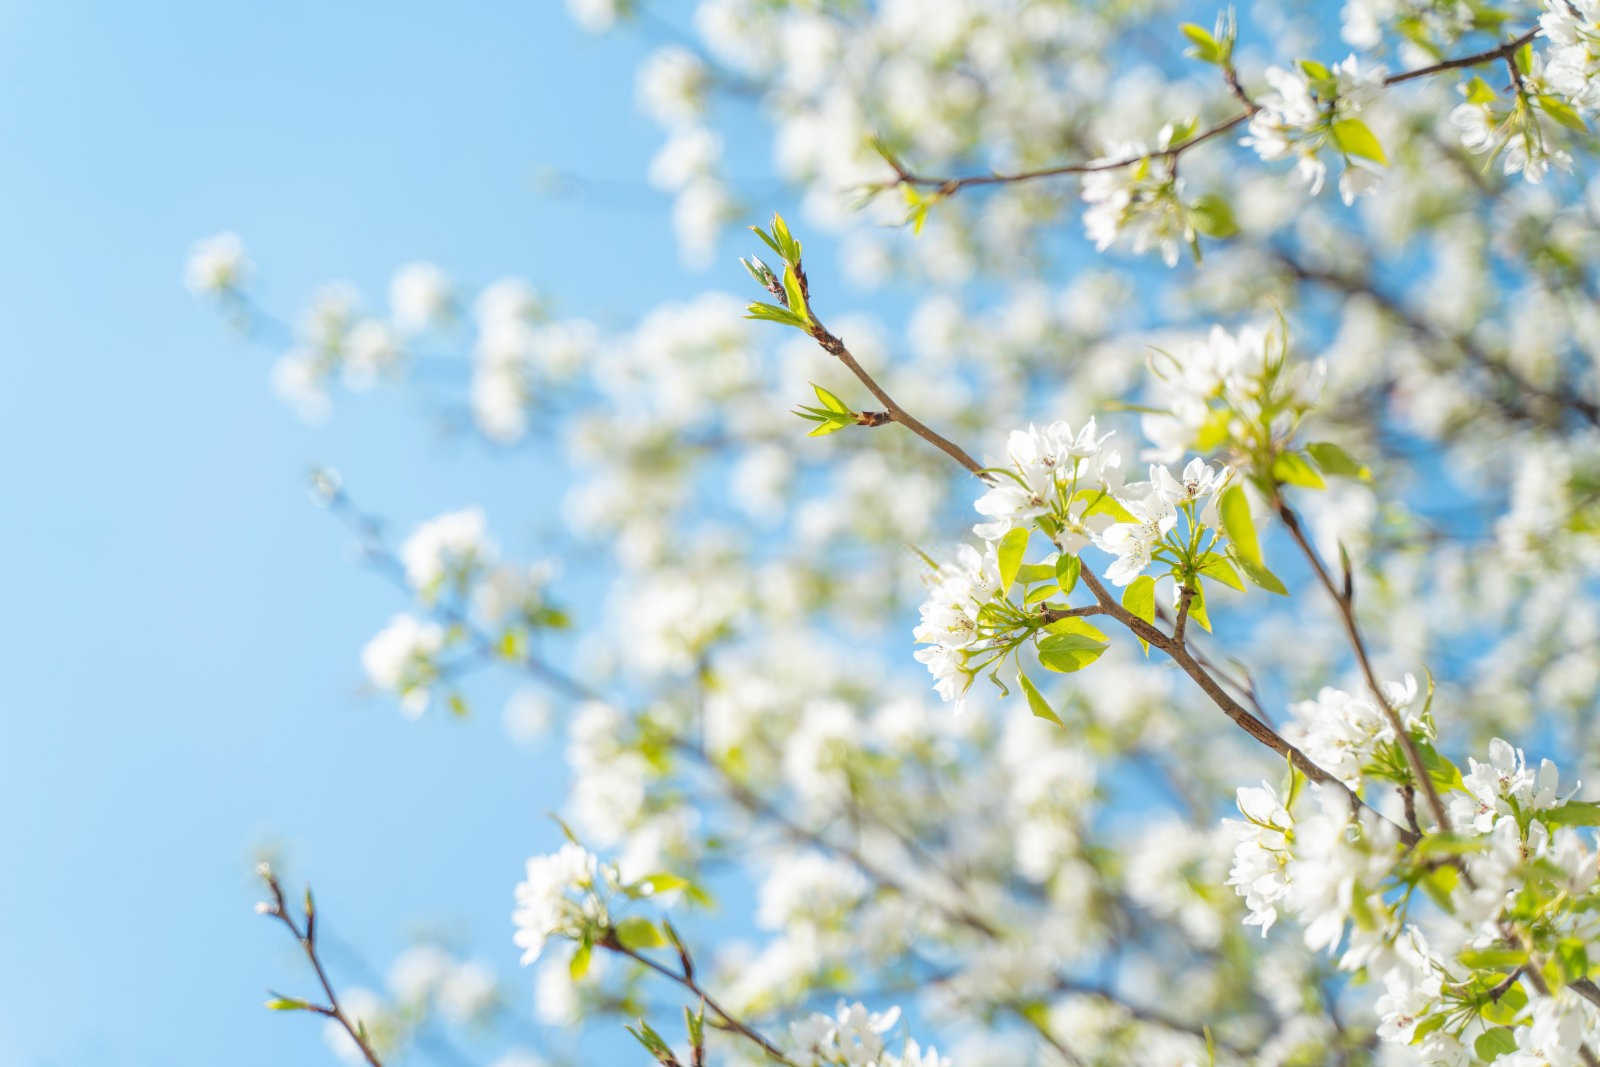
832, 345
686, 979
947, 186
278, 908
1344, 600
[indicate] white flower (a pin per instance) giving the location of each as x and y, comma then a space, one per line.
672, 85
1261, 855
1050, 464
1412, 991
596, 16
1133, 543
1341, 732
559, 896
298, 379
1200, 480
949, 627
370, 351
419, 296
1299, 115
216, 265
447, 548
1573, 66
853, 1036
399, 659
1141, 203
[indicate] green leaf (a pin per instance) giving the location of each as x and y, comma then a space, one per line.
1036, 702
1315, 71
287, 1004
1039, 594
1068, 568
1218, 568
1257, 572
1010, 551
1493, 959
1213, 216
1505, 1010
578, 966
797, 299
787, 246
1492, 1043
831, 402
1101, 502
1355, 139
1197, 608
1573, 956
637, 932
766, 240
1336, 461
1562, 112
653, 1042
1068, 652
1291, 468
1573, 813
1478, 92
1140, 600
1029, 573
774, 313
1072, 624
1206, 47
660, 882
1234, 508
1440, 884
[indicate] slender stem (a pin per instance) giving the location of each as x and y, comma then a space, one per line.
1185, 599
836, 348
1230, 707
279, 909
1503, 51
948, 186
690, 983
1347, 614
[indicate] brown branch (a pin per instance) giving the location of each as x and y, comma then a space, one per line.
1185, 599
1511, 398
1230, 707
687, 980
1503, 51
832, 345
278, 909
1347, 615
950, 185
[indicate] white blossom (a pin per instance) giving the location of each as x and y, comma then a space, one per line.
216, 265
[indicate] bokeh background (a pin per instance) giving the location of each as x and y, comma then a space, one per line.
182, 683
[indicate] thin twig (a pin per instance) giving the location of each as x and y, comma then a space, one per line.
1347, 615
950, 185
688, 981
278, 909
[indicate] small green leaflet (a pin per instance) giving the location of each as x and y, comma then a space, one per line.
1291, 468
1335, 460
1009, 552
1036, 702
1355, 139
1068, 652
1140, 599
1067, 570
1237, 524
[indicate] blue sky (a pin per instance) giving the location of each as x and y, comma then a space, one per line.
182, 630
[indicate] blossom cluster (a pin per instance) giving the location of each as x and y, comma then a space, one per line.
1495, 962
1314, 108
453, 568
